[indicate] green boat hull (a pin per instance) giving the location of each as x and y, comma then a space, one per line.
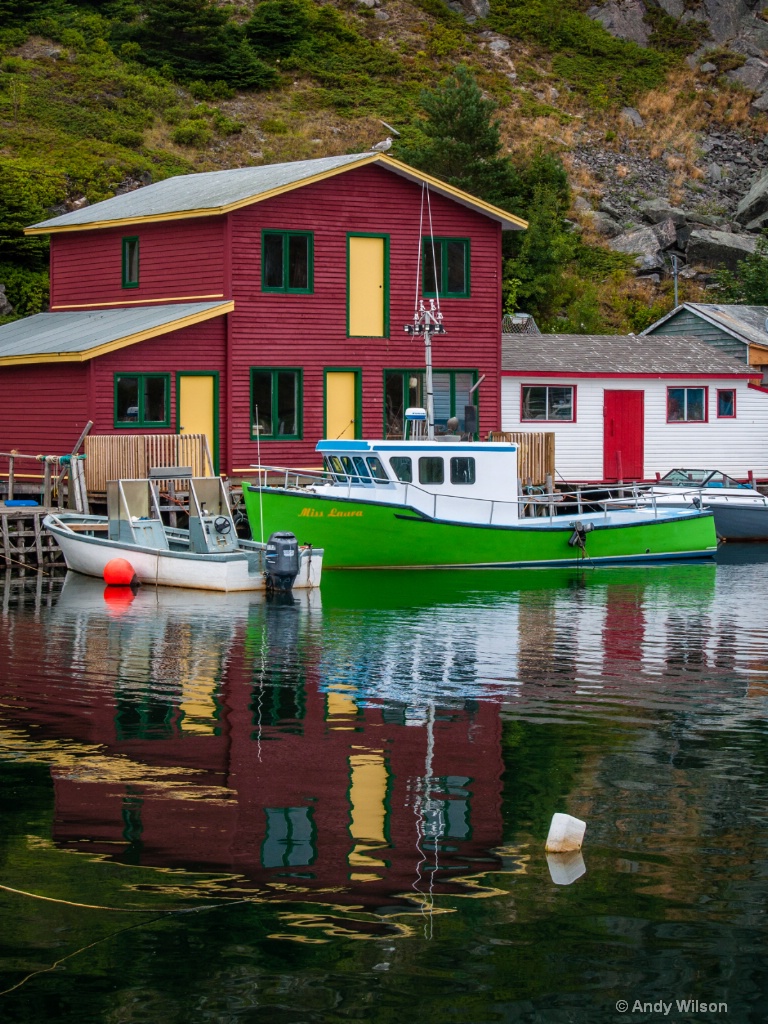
357, 534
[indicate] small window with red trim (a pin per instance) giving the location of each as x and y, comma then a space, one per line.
726, 404
543, 402
686, 405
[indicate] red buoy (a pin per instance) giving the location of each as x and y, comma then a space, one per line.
119, 572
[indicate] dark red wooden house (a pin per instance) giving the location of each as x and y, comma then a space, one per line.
259, 304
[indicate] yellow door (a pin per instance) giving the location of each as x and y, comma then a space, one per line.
340, 405
196, 405
367, 291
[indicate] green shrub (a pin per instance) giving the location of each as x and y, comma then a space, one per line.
27, 290
274, 125
192, 133
226, 125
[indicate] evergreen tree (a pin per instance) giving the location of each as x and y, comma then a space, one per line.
277, 26
461, 142
198, 40
749, 283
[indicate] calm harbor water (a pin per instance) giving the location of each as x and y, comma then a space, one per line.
222, 809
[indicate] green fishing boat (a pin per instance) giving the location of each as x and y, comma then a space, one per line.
433, 504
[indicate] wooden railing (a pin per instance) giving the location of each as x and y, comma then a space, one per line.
132, 456
535, 454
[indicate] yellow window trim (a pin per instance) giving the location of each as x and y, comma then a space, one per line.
113, 346
138, 302
402, 169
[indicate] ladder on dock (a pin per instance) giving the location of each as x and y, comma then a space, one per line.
23, 539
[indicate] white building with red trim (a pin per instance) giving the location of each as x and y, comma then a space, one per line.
629, 408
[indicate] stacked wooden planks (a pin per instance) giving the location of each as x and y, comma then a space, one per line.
536, 454
132, 456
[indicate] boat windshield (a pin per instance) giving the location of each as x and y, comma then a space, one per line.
378, 472
332, 464
699, 478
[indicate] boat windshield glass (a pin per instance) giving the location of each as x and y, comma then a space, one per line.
699, 478
362, 469
378, 472
334, 467
403, 468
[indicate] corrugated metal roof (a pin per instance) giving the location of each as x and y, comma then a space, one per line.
591, 353
213, 192
210, 190
72, 332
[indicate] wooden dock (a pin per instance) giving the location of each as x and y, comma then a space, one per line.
23, 539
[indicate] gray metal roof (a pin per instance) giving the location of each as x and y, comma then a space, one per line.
215, 192
211, 190
595, 353
72, 332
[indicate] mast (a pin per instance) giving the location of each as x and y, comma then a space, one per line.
427, 321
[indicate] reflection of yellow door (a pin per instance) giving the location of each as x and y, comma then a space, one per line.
196, 405
340, 405
367, 287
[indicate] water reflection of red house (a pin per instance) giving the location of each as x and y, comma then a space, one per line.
292, 785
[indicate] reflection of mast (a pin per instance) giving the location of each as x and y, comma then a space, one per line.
430, 822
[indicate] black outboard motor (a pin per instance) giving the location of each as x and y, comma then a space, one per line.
281, 561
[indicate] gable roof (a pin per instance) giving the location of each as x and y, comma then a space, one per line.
747, 323
596, 354
81, 335
213, 193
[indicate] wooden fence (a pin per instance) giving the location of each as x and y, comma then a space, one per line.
536, 454
132, 456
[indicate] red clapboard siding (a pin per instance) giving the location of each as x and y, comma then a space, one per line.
200, 347
43, 411
177, 260
310, 331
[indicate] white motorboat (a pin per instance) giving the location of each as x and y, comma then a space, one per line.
207, 556
740, 510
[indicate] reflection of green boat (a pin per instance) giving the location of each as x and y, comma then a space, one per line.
397, 589
368, 511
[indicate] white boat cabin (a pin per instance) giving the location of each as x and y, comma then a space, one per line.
471, 481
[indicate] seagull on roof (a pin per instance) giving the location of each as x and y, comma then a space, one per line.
383, 146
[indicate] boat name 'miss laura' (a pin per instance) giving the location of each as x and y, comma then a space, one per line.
431, 504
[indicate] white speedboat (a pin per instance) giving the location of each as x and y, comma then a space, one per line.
207, 556
740, 511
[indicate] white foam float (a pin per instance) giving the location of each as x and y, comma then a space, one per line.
566, 834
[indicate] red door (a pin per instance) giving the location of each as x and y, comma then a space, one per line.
623, 435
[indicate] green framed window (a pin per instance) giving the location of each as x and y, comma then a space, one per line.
131, 262
406, 388
287, 261
142, 399
276, 404
445, 267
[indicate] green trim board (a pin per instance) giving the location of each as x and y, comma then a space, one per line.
358, 396
216, 384
130, 261
275, 433
141, 420
359, 534
447, 248
285, 257
385, 237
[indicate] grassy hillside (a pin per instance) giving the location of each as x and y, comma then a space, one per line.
95, 98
